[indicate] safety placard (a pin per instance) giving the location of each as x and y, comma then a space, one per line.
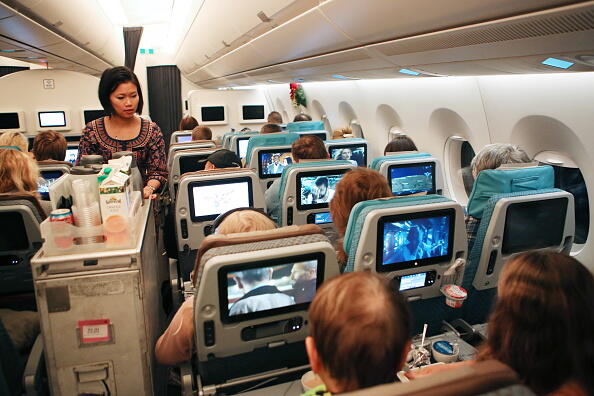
95, 330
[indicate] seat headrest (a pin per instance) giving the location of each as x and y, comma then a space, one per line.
376, 163
216, 240
221, 171
30, 199
305, 126
270, 140
490, 182
193, 142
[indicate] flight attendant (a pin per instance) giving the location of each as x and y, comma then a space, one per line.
123, 129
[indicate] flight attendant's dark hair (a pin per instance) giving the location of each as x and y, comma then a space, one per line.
111, 79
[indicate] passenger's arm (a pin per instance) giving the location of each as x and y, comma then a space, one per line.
175, 345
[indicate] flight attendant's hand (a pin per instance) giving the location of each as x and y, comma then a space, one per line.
148, 192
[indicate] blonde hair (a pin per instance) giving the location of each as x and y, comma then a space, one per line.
18, 172
245, 221
14, 139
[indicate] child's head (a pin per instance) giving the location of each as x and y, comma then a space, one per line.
359, 332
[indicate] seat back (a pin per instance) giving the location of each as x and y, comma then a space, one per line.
525, 216
411, 173
301, 126
185, 161
20, 239
321, 133
269, 140
300, 189
186, 146
238, 143
269, 162
418, 242
180, 137
50, 172
235, 330
488, 377
357, 147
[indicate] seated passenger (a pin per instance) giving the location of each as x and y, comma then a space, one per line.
175, 344
400, 143
49, 145
302, 117
270, 128
542, 325
15, 139
201, 133
342, 133
275, 118
222, 158
345, 154
359, 333
306, 148
188, 123
19, 174
357, 185
492, 156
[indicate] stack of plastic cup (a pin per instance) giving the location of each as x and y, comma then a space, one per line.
86, 209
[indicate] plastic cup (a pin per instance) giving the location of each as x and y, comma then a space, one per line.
117, 231
455, 295
310, 380
62, 235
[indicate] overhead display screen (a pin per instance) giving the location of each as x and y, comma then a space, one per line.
9, 121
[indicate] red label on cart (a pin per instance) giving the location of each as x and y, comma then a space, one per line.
96, 330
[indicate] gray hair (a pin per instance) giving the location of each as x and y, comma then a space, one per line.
492, 156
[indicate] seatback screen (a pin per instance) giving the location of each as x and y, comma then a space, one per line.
253, 112
184, 138
272, 162
355, 154
242, 145
408, 179
47, 179
261, 289
534, 225
316, 189
192, 163
208, 199
13, 235
50, 119
212, 113
91, 115
322, 135
414, 239
71, 155
9, 121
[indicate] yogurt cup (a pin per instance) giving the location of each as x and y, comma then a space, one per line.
455, 295
445, 351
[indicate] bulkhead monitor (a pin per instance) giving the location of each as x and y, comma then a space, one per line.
47, 179
272, 162
91, 115
315, 189
71, 154
252, 112
192, 163
406, 179
183, 138
265, 288
356, 154
534, 225
413, 240
9, 121
242, 145
52, 119
13, 235
210, 198
212, 113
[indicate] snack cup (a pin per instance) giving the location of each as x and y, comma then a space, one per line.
310, 380
455, 295
445, 351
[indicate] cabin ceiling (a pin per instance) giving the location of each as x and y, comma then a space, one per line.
228, 42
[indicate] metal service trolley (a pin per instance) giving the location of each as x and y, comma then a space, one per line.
101, 315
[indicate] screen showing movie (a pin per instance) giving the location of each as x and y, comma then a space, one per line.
91, 115
211, 198
192, 163
355, 154
407, 241
9, 121
407, 179
184, 138
212, 113
272, 162
71, 155
242, 145
52, 119
316, 190
13, 235
45, 181
534, 225
271, 287
253, 112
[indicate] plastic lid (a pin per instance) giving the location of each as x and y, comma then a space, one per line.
107, 170
81, 170
443, 347
454, 291
101, 178
89, 159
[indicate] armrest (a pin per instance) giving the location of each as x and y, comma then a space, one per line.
34, 376
176, 286
185, 373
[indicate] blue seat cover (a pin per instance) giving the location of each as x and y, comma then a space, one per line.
506, 181
377, 162
269, 140
302, 126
